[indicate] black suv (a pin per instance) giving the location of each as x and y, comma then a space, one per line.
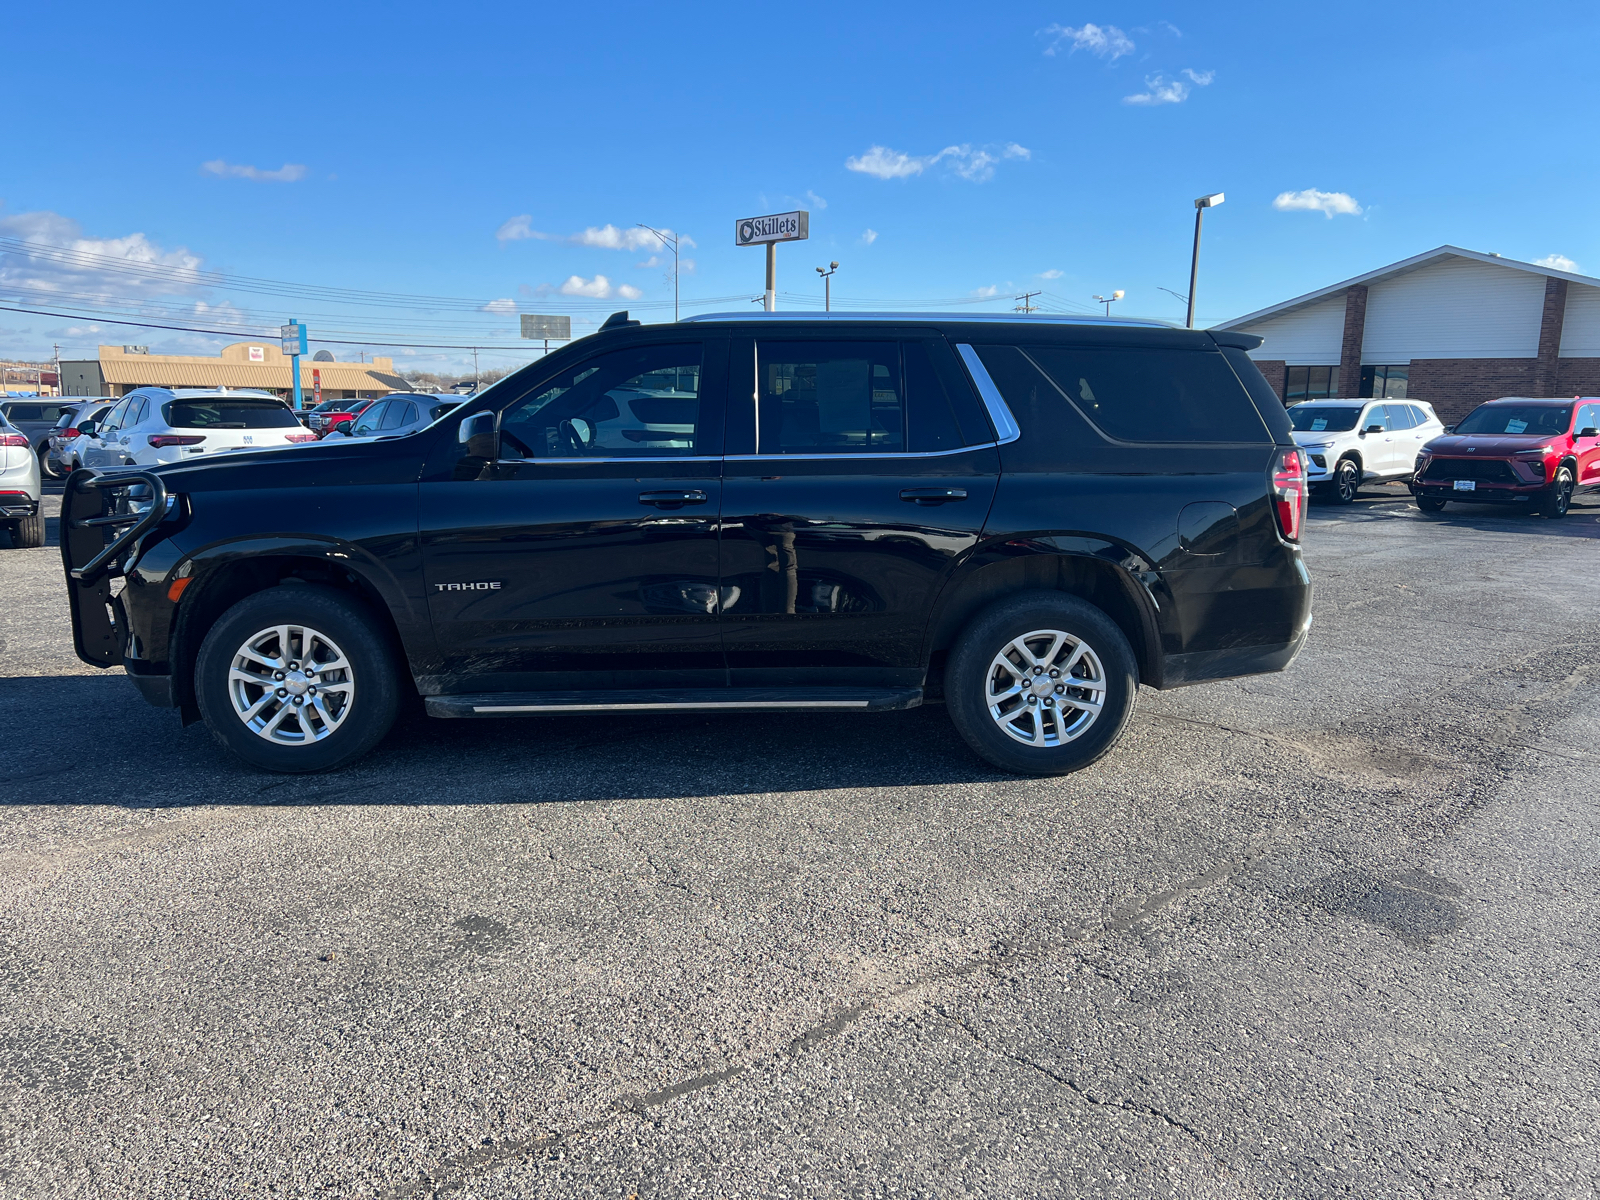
1025, 518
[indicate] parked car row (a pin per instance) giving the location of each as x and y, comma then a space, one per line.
20, 490
1511, 450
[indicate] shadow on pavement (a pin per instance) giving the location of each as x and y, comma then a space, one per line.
92, 740
1387, 502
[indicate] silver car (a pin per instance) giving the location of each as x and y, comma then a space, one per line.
397, 415
20, 492
66, 443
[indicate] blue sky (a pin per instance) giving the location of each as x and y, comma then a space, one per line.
945, 152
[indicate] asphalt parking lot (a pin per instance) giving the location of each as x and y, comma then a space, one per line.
1329, 932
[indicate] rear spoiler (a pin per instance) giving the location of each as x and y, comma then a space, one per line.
1239, 341
95, 504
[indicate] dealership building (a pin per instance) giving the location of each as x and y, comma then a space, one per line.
120, 369
1452, 327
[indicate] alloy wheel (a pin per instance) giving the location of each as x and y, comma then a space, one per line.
1045, 688
291, 685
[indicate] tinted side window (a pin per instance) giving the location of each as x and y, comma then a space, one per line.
1374, 416
114, 417
399, 412
1153, 395
1418, 417
942, 411
1267, 404
1588, 418
368, 421
1400, 416
829, 398
643, 402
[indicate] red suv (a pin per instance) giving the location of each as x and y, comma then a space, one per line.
1513, 450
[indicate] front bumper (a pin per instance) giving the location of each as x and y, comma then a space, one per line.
1483, 491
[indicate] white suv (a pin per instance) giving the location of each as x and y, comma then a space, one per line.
1351, 442
161, 425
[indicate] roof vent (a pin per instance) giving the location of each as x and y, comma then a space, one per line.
617, 320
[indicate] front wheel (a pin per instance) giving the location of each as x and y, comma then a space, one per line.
1558, 496
1346, 481
296, 679
1041, 684
1429, 506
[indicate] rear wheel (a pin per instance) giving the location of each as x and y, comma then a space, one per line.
297, 679
1427, 505
1346, 481
1557, 497
28, 533
47, 465
1041, 684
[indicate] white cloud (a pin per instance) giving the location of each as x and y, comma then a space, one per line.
974, 164
1161, 90
288, 173
1311, 200
986, 293
1104, 41
628, 292
869, 236
519, 229
598, 288
609, 237
816, 200
505, 305
1557, 262
60, 259
226, 313
1052, 273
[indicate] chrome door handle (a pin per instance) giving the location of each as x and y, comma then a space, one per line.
926, 496
673, 499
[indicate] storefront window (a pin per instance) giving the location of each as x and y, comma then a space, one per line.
1385, 383
1311, 383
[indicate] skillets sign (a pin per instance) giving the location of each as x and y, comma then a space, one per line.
779, 227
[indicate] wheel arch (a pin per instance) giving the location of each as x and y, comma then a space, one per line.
227, 574
1114, 579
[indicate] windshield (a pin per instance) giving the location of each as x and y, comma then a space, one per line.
222, 413
1306, 418
1534, 420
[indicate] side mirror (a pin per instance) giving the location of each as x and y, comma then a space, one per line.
1449, 428
1372, 429
476, 433
86, 428
1589, 431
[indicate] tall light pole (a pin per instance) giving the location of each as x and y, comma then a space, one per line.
1200, 206
671, 243
1108, 301
827, 286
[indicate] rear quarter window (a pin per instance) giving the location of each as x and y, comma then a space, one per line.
1152, 395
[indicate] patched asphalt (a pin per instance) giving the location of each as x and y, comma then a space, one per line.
1327, 932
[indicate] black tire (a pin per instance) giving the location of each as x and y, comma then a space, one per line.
341, 725
1346, 484
47, 467
1557, 498
974, 662
1428, 505
28, 532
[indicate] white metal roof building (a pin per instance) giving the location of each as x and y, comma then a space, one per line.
1453, 327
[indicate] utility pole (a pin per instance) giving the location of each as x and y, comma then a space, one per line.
477, 379
827, 286
1027, 305
671, 244
1200, 206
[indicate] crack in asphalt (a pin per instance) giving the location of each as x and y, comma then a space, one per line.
1123, 1103
452, 1174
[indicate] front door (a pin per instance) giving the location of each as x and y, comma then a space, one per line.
1587, 448
584, 554
859, 471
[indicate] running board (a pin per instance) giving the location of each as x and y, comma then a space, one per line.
522, 704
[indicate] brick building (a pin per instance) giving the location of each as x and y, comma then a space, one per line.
120, 369
1453, 327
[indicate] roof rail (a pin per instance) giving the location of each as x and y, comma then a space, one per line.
940, 317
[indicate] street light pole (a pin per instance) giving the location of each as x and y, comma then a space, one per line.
1108, 301
827, 286
671, 244
1200, 206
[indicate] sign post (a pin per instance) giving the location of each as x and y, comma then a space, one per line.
769, 231
316, 387
294, 345
550, 328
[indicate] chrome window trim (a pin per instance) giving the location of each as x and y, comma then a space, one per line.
857, 457
577, 461
1005, 425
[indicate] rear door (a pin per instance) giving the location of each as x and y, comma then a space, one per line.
584, 556
1587, 449
860, 469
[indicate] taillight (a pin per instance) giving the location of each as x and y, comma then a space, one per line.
299, 437
13, 439
69, 431
1289, 493
162, 440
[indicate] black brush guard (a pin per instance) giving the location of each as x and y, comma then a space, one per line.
98, 534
